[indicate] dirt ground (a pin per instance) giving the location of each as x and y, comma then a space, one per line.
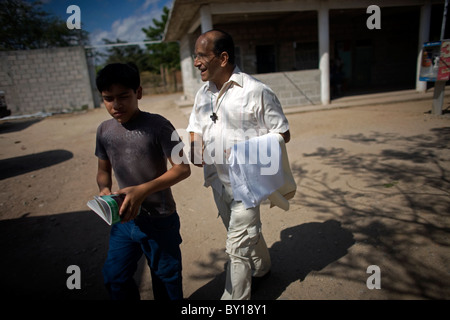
373, 189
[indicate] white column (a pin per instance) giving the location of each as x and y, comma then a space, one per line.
324, 55
424, 31
206, 18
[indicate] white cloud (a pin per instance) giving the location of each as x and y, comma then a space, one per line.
97, 36
148, 3
128, 29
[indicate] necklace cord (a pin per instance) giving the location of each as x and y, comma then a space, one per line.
213, 115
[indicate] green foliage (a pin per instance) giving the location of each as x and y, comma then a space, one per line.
25, 26
154, 57
162, 54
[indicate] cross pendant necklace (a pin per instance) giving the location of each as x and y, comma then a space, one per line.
213, 115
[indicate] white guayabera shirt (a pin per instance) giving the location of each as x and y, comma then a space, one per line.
244, 108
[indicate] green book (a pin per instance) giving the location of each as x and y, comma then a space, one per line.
107, 207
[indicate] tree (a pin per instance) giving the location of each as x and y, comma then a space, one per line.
163, 54
26, 26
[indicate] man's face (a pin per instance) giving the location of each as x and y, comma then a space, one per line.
205, 59
121, 102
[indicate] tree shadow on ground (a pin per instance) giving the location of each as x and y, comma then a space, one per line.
394, 201
36, 252
302, 249
391, 207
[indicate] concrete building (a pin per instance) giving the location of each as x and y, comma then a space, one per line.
310, 51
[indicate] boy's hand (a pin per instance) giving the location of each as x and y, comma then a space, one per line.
134, 196
105, 192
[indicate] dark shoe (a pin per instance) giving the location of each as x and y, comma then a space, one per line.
256, 281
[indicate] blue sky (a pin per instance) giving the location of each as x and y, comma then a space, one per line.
111, 19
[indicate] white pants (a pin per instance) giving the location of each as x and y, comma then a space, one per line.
245, 246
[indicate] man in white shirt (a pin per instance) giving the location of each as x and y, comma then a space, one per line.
232, 107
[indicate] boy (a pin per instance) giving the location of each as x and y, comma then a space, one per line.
137, 145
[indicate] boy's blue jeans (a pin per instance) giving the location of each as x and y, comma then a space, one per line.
159, 239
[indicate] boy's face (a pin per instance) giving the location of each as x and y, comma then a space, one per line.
122, 102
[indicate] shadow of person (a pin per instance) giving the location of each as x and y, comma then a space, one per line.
37, 251
302, 249
17, 125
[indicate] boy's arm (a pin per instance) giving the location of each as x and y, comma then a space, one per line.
135, 195
104, 180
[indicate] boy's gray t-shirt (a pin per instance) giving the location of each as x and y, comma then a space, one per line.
138, 152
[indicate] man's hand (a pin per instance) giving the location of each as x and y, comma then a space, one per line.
196, 149
286, 136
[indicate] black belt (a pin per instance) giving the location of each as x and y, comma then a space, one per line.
149, 211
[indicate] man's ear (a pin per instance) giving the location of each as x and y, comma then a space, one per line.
224, 59
139, 92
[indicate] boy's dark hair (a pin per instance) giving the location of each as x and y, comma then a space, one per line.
125, 74
224, 43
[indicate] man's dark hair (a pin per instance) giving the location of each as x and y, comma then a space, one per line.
224, 43
125, 74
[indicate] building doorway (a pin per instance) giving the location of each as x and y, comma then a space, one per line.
265, 59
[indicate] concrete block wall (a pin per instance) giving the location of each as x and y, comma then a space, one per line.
190, 75
48, 80
294, 88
